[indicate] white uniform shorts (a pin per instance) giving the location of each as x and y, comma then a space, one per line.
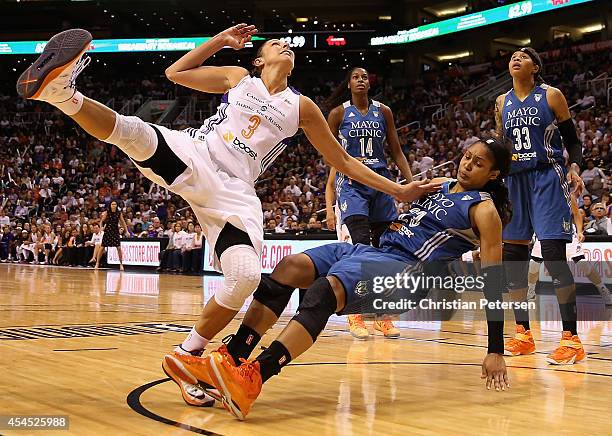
184, 165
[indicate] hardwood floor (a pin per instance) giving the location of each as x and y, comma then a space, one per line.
88, 344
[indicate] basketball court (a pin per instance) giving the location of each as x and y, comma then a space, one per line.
88, 344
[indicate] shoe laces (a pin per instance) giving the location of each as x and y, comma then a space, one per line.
386, 324
246, 368
357, 320
78, 68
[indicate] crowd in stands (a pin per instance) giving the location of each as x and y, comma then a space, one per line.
55, 180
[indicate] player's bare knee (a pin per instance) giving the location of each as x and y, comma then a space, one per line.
294, 270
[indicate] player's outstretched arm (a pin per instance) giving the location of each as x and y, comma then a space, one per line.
317, 131
189, 72
486, 219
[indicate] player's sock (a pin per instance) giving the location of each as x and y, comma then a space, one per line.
72, 105
272, 360
243, 343
193, 343
521, 317
569, 317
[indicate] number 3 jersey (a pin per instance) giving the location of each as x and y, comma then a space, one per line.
248, 131
437, 227
530, 124
363, 136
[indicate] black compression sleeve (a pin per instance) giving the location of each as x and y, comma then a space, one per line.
570, 140
495, 314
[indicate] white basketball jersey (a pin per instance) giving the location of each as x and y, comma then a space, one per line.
248, 131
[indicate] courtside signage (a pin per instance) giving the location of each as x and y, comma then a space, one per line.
472, 21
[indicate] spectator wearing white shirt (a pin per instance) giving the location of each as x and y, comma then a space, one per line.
293, 189
96, 242
188, 246
4, 220
179, 240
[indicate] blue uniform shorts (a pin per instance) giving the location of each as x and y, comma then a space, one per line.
355, 198
540, 203
356, 266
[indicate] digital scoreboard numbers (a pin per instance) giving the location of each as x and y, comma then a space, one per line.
475, 20
520, 9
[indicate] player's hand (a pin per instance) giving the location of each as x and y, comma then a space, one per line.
580, 237
415, 190
494, 371
330, 219
575, 180
476, 255
237, 36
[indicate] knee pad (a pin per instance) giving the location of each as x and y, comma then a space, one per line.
516, 264
241, 269
553, 253
318, 304
134, 136
272, 294
359, 229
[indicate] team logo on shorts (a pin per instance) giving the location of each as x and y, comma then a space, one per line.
361, 288
567, 227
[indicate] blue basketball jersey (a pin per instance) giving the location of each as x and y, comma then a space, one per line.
530, 124
437, 227
363, 136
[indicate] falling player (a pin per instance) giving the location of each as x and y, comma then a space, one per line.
212, 168
475, 208
362, 125
535, 117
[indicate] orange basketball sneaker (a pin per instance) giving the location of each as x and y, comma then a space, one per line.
187, 370
570, 351
239, 385
357, 327
387, 328
521, 343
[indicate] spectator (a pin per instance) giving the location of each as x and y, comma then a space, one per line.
599, 224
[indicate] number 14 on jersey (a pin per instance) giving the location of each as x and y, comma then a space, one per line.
369, 149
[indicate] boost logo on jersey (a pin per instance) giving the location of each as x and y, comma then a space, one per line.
237, 144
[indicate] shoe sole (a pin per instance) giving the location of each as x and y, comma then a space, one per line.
389, 336
226, 400
178, 368
509, 353
59, 52
172, 368
572, 361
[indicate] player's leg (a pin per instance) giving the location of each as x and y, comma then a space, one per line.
517, 235
552, 224
354, 204
339, 291
271, 297
382, 212
534, 269
51, 78
589, 270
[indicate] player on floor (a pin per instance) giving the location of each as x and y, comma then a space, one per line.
536, 117
574, 254
213, 168
440, 227
362, 125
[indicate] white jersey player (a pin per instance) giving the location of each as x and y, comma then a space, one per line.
212, 168
574, 254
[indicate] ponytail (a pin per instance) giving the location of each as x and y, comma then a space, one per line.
498, 191
496, 188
